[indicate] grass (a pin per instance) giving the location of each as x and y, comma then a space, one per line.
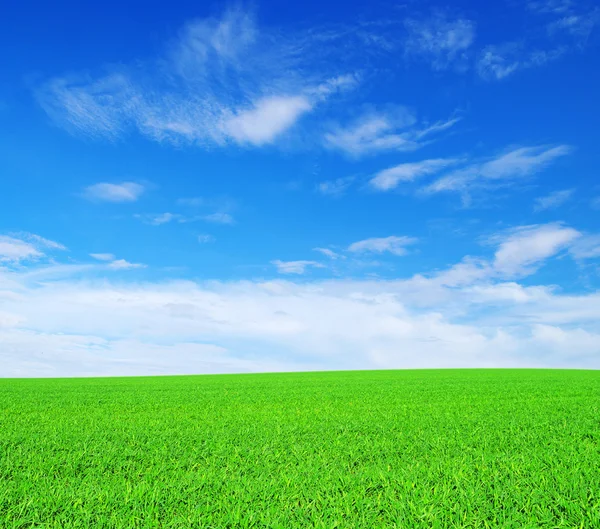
436, 449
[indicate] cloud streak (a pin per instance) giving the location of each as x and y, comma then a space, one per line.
392, 244
553, 200
375, 132
108, 192
501, 170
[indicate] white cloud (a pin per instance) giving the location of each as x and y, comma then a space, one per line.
25, 247
64, 327
375, 132
42, 242
527, 246
219, 218
514, 164
107, 192
269, 118
521, 162
224, 80
391, 177
499, 62
393, 244
560, 28
587, 247
295, 267
442, 41
553, 200
595, 203
15, 250
549, 6
205, 238
122, 264
327, 253
164, 218
103, 256
335, 187
161, 218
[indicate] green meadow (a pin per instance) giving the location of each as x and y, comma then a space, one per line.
379, 449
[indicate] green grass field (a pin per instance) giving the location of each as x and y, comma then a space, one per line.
440, 449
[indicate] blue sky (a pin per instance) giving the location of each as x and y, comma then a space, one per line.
199, 188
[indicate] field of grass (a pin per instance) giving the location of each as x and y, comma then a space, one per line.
436, 449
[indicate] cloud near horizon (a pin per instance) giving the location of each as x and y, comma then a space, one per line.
473, 314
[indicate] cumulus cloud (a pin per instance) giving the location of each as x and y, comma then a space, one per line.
107, 192
392, 244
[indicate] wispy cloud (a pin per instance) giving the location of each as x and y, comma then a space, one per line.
393, 244
107, 192
376, 132
586, 247
500, 61
514, 164
15, 250
122, 264
557, 28
525, 247
204, 238
103, 256
116, 264
328, 253
390, 178
42, 241
335, 187
223, 81
219, 218
553, 200
158, 219
25, 247
295, 267
441, 40
549, 6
